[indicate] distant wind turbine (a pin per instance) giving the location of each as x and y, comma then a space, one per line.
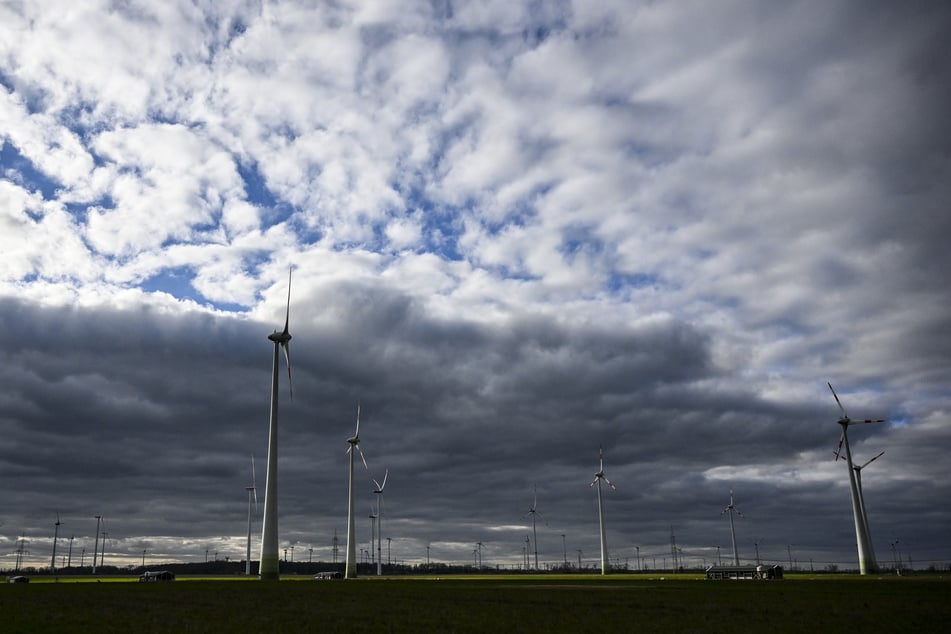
533, 511
55, 537
597, 479
354, 441
95, 550
732, 509
379, 522
252, 495
863, 539
269, 566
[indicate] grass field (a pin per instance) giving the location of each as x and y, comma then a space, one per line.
543, 603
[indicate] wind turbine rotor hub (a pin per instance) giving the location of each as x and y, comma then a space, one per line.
280, 337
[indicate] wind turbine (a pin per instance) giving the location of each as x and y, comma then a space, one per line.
862, 538
372, 517
55, 537
533, 512
95, 551
252, 494
379, 523
858, 483
732, 509
350, 572
269, 566
597, 479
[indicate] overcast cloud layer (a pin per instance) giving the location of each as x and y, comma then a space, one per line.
519, 231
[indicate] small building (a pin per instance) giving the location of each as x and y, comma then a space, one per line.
745, 572
159, 575
335, 574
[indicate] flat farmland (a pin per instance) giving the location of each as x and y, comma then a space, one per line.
483, 604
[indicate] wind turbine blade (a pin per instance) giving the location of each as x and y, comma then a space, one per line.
254, 485
839, 448
610, 485
386, 474
593, 482
287, 357
287, 314
844, 414
362, 457
869, 420
356, 434
871, 460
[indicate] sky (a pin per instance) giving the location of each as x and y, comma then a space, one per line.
518, 231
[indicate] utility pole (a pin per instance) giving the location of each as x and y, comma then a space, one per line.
564, 545
21, 550
388, 543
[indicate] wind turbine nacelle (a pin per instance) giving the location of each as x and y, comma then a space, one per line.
280, 337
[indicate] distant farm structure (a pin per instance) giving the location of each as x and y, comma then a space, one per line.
745, 572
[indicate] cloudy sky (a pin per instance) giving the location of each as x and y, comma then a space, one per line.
518, 231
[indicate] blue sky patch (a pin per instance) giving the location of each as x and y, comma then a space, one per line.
21, 170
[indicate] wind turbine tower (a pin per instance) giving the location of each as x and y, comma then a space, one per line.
55, 537
269, 566
350, 571
863, 541
252, 496
96, 547
597, 479
732, 509
379, 523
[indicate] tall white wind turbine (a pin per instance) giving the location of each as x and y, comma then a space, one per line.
252, 496
350, 571
597, 479
269, 566
858, 484
863, 540
533, 511
732, 509
379, 522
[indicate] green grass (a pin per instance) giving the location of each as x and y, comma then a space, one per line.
544, 603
